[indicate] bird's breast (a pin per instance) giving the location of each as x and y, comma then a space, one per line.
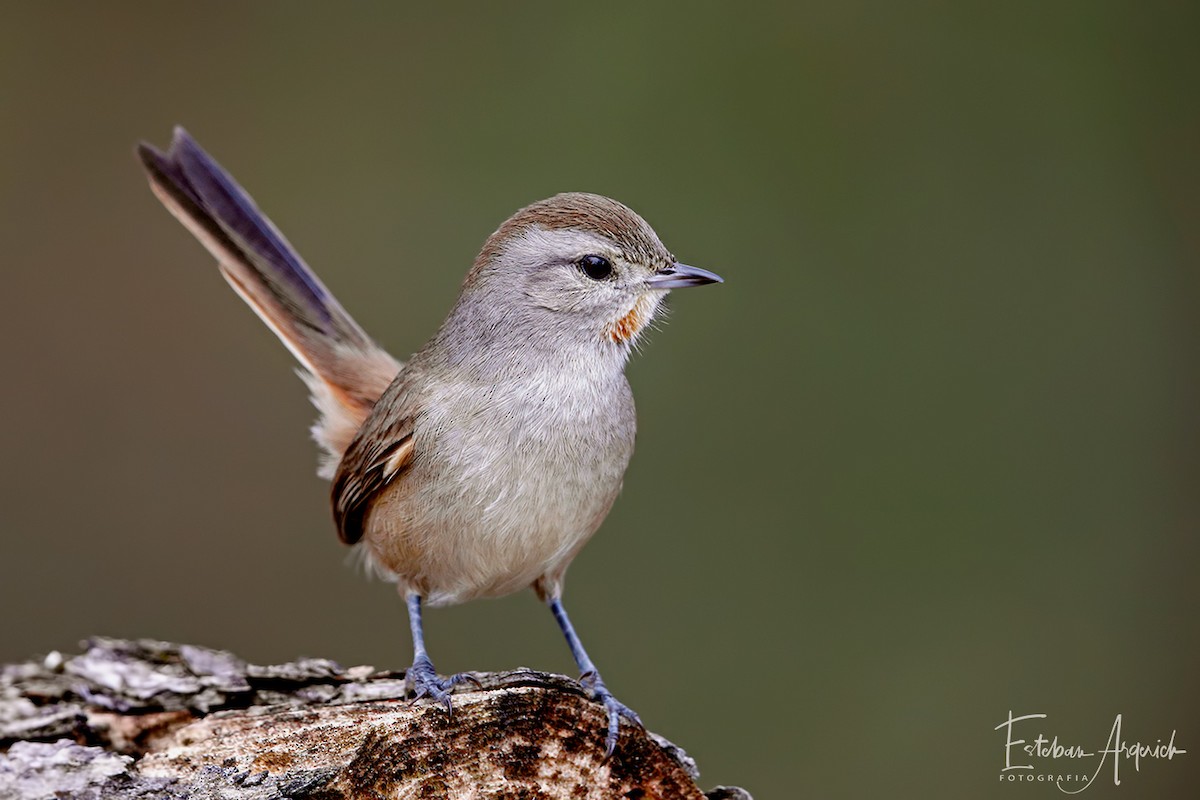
507, 482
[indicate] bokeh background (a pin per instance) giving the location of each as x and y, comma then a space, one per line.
929, 455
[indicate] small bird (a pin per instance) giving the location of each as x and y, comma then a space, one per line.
484, 463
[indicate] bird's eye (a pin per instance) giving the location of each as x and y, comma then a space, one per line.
597, 268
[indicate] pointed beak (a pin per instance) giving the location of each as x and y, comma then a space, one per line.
682, 275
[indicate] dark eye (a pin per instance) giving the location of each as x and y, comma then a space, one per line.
596, 267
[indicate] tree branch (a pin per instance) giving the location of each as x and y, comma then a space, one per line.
139, 719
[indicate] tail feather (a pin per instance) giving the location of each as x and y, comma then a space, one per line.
347, 372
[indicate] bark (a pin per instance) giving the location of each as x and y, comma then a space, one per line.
142, 719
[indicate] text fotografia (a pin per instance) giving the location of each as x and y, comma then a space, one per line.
1071, 767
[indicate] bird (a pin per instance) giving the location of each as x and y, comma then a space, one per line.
481, 465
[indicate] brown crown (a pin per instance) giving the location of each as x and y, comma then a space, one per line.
586, 212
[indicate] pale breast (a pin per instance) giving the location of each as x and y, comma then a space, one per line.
506, 484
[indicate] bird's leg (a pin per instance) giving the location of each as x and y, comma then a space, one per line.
590, 678
421, 675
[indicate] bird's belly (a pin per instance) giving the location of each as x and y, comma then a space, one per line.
473, 519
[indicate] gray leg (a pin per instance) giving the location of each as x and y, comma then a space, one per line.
423, 677
590, 678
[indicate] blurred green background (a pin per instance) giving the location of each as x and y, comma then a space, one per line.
929, 455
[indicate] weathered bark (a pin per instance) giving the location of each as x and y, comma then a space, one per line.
141, 719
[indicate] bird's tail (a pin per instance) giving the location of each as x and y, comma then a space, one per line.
345, 371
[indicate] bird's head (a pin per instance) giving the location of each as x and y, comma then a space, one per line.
575, 268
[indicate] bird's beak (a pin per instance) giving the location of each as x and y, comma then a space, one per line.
681, 275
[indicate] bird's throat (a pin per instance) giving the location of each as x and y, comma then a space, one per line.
626, 329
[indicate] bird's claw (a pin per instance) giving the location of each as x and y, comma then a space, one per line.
426, 682
614, 708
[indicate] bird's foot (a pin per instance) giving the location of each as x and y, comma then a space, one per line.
614, 707
425, 682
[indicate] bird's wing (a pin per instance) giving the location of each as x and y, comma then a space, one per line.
379, 454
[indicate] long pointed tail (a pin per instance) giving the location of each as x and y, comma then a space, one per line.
346, 371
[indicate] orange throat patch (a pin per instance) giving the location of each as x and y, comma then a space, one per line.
630, 325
